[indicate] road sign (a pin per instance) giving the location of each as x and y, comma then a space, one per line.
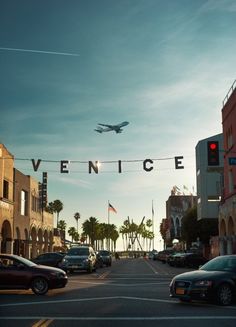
232, 161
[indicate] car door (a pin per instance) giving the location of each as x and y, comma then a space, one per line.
13, 274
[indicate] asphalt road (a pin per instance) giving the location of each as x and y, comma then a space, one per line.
132, 292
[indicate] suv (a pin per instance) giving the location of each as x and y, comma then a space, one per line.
79, 258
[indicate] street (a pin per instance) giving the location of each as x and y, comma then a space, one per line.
132, 292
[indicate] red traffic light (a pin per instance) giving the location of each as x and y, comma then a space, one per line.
213, 146
213, 153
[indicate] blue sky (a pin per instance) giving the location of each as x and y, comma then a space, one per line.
164, 66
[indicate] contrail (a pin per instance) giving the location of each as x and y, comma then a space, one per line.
40, 51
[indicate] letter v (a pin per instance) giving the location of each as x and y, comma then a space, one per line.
36, 165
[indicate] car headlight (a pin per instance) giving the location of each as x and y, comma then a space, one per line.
57, 274
203, 283
64, 260
86, 260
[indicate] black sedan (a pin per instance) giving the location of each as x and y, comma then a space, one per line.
52, 259
215, 281
191, 260
19, 273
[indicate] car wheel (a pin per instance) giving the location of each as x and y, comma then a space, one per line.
39, 286
224, 294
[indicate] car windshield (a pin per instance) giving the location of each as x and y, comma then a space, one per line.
103, 252
220, 264
78, 251
26, 262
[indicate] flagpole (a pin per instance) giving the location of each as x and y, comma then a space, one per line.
153, 225
108, 213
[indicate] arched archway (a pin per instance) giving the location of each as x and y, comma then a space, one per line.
230, 235
230, 226
16, 246
33, 241
223, 240
50, 240
40, 241
7, 238
46, 241
177, 227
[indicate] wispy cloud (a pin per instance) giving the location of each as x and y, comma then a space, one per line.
41, 52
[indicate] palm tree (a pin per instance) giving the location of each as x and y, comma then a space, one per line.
72, 232
62, 227
77, 217
57, 207
90, 227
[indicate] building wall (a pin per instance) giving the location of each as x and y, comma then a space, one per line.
41, 224
21, 213
176, 207
6, 200
227, 215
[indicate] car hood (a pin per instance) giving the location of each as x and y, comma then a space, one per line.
201, 274
47, 268
68, 257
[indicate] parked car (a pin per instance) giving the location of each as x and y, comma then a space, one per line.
214, 281
105, 257
19, 273
182, 259
153, 255
163, 255
80, 258
52, 259
191, 260
173, 258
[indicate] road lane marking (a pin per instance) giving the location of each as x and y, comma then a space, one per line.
104, 275
172, 301
43, 323
150, 266
124, 318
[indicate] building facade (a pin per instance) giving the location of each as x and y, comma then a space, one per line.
25, 229
6, 200
176, 208
227, 212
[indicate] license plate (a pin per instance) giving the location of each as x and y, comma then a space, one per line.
179, 291
74, 267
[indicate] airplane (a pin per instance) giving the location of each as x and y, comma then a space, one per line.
116, 128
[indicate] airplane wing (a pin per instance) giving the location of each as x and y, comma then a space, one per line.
109, 126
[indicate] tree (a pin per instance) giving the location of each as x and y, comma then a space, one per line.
77, 217
62, 227
193, 228
90, 227
190, 227
72, 233
55, 206
207, 228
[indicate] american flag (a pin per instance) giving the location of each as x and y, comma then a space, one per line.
111, 208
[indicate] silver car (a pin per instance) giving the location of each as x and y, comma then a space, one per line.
79, 258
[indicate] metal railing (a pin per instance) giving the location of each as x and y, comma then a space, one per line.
229, 93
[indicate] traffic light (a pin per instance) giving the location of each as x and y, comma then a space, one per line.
213, 153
